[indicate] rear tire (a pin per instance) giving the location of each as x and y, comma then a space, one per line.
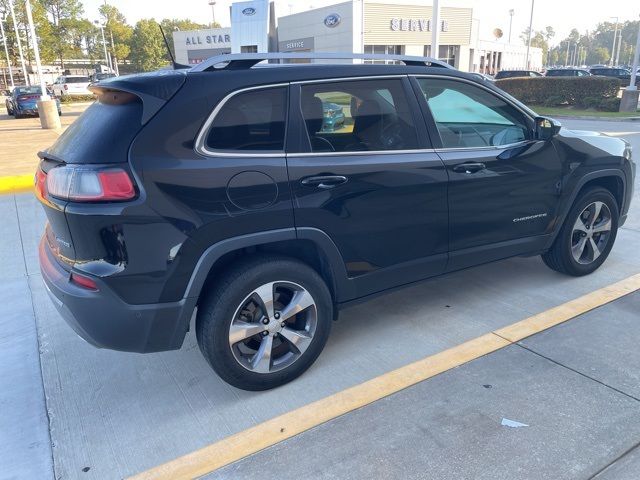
256, 347
587, 235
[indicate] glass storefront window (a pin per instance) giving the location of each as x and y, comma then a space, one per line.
384, 50
446, 53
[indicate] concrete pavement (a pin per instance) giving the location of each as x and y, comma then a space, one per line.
579, 414
114, 414
23, 138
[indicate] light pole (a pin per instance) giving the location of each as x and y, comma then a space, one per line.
630, 95
618, 48
435, 29
529, 36
104, 45
613, 47
511, 12
47, 108
15, 27
6, 50
213, 12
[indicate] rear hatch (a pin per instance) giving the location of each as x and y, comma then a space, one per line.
28, 101
77, 85
86, 172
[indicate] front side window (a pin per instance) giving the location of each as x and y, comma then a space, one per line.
367, 115
251, 121
468, 116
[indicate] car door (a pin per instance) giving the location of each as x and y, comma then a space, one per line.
57, 86
371, 181
503, 184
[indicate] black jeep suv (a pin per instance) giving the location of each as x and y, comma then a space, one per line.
215, 190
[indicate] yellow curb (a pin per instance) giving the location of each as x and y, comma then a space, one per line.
264, 435
16, 184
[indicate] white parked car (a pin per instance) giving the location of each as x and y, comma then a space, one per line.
71, 85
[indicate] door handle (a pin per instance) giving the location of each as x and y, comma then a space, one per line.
469, 167
323, 181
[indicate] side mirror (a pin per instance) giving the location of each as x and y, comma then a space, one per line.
546, 128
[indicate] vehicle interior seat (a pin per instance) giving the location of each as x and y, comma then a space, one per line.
313, 114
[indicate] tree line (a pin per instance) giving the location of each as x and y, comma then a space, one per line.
65, 33
589, 48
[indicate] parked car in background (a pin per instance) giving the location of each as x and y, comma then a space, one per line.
332, 116
96, 77
485, 77
621, 74
516, 73
23, 101
567, 72
68, 85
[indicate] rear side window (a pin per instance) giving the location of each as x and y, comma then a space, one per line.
366, 115
250, 121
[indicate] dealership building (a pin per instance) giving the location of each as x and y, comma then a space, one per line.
402, 27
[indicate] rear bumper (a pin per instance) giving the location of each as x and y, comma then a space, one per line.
106, 321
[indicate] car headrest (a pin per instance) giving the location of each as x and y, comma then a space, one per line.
313, 113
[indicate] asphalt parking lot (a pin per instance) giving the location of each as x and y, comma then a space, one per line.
68, 410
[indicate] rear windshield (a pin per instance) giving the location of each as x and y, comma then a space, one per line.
77, 80
102, 134
28, 91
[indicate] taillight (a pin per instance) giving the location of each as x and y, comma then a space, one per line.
84, 282
41, 183
87, 184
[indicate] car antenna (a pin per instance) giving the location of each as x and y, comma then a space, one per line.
176, 65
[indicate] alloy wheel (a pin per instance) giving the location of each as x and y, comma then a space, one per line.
273, 326
591, 233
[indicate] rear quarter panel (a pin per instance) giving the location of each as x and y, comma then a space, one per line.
188, 191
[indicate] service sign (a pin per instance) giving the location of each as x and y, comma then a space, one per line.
415, 25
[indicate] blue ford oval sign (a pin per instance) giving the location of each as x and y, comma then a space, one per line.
249, 11
332, 20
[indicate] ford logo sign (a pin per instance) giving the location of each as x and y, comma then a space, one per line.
249, 11
332, 20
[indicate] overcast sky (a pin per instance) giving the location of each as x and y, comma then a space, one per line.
562, 15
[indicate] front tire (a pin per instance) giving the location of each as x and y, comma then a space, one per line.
587, 235
264, 322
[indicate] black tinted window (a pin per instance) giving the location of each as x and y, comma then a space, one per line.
560, 73
253, 120
367, 115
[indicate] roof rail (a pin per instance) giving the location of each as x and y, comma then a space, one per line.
234, 61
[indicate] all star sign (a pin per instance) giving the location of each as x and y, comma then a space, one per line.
216, 39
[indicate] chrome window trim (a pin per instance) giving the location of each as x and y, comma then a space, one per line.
487, 148
343, 79
501, 97
200, 145
359, 152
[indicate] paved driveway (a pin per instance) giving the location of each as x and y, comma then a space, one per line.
114, 414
